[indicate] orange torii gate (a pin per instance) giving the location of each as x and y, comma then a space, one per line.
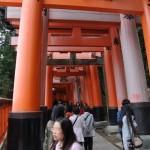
124, 6
26, 99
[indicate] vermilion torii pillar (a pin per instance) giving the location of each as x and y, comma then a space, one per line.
70, 93
84, 90
45, 16
48, 88
88, 85
75, 90
118, 67
134, 71
45, 113
24, 121
98, 109
111, 89
82, 86
146, 28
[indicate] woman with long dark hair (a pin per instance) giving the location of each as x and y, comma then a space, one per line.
128, 125
63, 136
89, 131
59, 113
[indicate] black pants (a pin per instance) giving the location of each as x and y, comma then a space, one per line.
88, 143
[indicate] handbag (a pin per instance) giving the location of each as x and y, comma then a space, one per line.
137, 141
130, 144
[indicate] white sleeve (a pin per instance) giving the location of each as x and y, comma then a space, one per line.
134, 122
76, 146
82, 122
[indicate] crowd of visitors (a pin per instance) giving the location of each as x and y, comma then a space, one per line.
71, 127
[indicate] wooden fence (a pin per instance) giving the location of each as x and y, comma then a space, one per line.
5, 108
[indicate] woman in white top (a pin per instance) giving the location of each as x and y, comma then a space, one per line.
78, 124
89, 130
128, 120
63, 136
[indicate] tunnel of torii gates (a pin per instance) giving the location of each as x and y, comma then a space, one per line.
80, 60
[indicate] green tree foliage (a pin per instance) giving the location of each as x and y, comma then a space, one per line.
7, 57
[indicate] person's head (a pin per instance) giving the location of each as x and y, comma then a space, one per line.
125, 102
76, 110
63, 131
59, 112
86, 108
126, 109
68, 108
55, 102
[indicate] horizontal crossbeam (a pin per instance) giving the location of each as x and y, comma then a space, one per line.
63, 74
98, 61
74, 41
118, 6
74, 49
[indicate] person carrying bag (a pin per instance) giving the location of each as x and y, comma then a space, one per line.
136, 139
130, 138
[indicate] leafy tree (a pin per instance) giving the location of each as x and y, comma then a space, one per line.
7, 57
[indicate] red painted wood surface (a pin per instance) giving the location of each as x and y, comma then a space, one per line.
5, 108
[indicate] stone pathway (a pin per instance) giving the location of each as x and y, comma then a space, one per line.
115, 141
100, 143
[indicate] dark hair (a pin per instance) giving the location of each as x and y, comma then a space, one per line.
55, 102
59, 112
69, 135
68, 108
76, 110
87, 108
126, 110
125, 102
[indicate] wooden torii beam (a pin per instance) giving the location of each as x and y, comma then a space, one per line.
76, 44
63, 74
65, 24
98, 61
74, 49
61, 71
118, 6
70, 41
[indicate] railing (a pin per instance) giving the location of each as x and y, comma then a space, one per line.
5, 108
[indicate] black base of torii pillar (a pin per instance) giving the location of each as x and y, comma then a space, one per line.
24, 131
99, 113
142, 111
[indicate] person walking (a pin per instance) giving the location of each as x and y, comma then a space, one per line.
63, 136
89, 130
78, 124
59, 113
120, 116
128, 126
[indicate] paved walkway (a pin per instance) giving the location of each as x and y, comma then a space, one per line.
101, 143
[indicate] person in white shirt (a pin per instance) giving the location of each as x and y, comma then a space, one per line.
89, 130
128, 123
78, 124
